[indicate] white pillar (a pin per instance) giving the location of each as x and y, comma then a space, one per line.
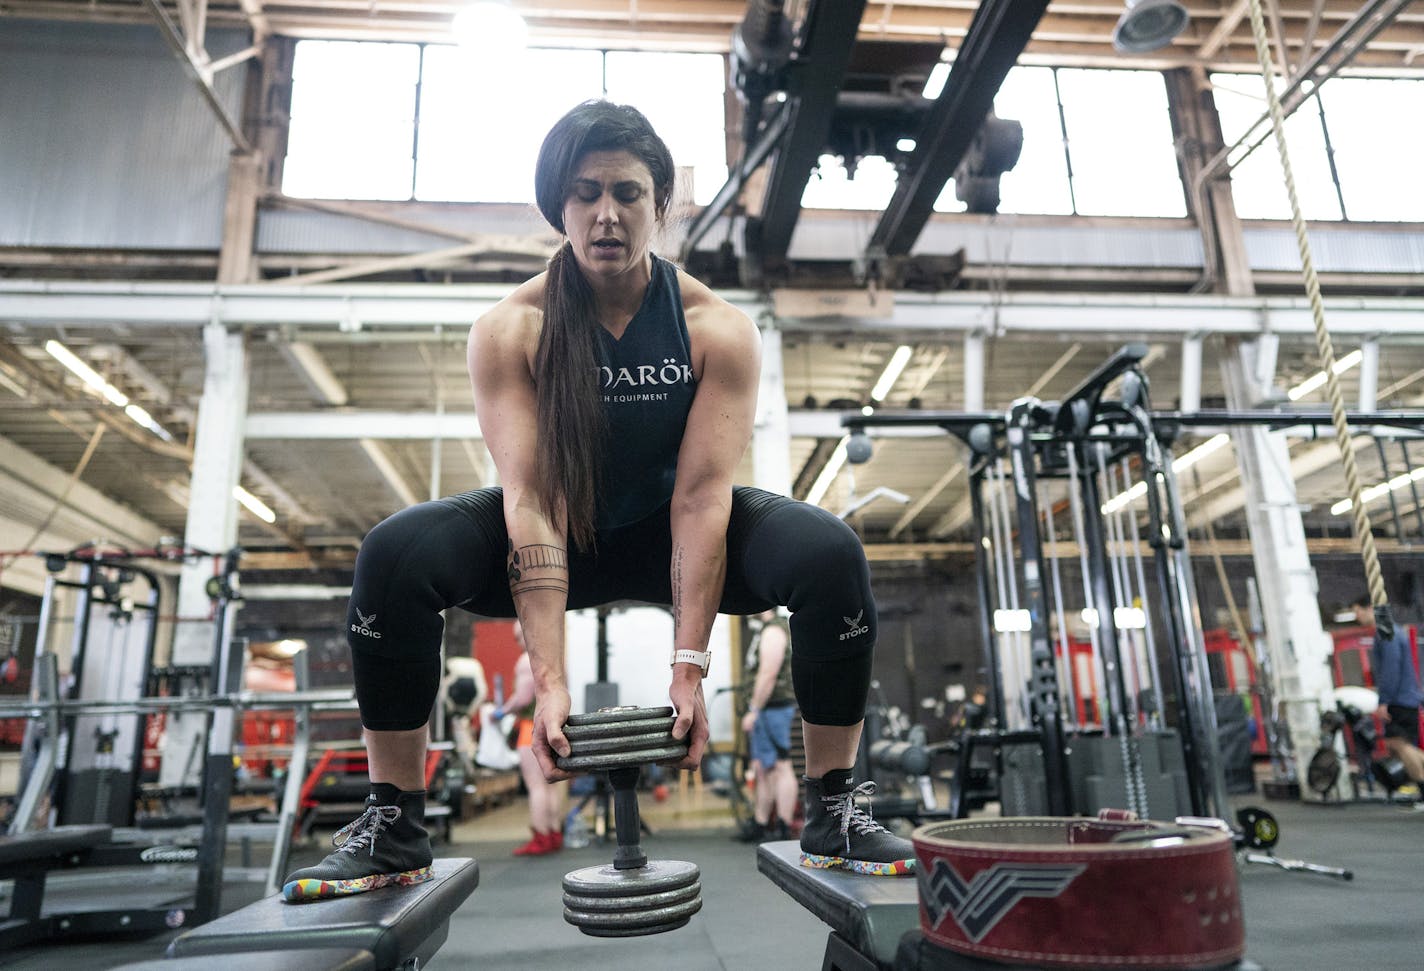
212, 525
1296, 646
1190, 398
771, 436
1369, 375
974, 371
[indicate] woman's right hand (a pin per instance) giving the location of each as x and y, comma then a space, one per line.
551, 711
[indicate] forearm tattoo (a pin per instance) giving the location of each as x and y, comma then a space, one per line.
677, 589
538, 566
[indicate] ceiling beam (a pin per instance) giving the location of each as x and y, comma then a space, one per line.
998, 34
197, 73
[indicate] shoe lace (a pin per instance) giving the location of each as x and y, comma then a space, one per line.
843, 806
361, 833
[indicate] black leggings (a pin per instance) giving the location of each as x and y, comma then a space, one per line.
451, 553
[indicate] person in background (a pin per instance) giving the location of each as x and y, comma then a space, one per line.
1397, 682
464, 689
771, 704
546, 799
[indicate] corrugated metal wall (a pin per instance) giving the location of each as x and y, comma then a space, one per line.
104, 142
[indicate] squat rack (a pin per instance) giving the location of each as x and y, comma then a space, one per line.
1107, 420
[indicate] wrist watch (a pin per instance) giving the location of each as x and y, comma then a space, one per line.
703, 659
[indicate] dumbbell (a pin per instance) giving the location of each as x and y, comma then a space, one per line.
633, 896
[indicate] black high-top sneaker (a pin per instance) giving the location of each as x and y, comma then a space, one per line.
386, 845
838, 833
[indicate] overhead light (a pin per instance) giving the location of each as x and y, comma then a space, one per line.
1129, 618
254, 505
1317, 379
829, 471
110, 393
86, 374
934, 84
1179, 464
905, 145
1384, 488
490, 28
1147, 25
892, 372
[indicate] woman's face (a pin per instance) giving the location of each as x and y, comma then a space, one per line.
610, 213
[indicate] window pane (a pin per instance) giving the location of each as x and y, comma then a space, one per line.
353, 110
1120, 136
479, 148
1257, 184
689, 114
1039, 182
1376, 153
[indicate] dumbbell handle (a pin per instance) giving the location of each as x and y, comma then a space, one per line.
626, 821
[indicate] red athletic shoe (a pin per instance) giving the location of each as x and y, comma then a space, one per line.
540, 844
556, 841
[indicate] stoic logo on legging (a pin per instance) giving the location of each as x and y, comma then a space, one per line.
365, 626
856, 628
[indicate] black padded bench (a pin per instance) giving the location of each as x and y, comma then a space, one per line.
309, 959
27, 859
396, 926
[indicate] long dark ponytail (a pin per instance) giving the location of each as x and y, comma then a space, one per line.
569, 459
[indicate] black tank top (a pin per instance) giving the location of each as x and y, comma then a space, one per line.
647, 385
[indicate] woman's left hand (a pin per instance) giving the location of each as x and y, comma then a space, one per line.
691, 724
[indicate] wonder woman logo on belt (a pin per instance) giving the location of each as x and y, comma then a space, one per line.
981, 903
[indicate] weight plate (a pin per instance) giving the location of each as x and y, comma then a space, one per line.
634, 931
655, 877
627, 713
621, 760
619, 729
623, 743
629, 920
643, 901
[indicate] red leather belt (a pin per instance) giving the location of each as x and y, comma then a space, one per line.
1100, 893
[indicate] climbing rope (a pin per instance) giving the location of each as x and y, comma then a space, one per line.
1323, 344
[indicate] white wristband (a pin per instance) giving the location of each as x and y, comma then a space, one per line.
703, 659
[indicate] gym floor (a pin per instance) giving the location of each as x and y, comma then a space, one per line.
1295, 921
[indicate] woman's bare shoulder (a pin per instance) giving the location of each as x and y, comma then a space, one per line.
516, 318
705, 309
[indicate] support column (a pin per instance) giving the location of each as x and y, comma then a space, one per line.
771, 437
1189, 400
1297, 650
212, 525
1369, 374
974, 371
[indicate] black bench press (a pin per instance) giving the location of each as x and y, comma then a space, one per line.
384, 930
28, 859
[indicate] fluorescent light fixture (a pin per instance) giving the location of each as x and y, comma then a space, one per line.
1180, 464
143, 418
1090, 616
254, 505
1012, 621
892, 372
86, 374
867, 410
1384, 488
1130, 618
934, 84
905, 145
1317, 379
828, 474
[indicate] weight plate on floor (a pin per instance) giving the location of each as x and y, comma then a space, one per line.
619, 729
634, 931
621, 743
656, 876
621, 760
646, 901
626, 713
634, 921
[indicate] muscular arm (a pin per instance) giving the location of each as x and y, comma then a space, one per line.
498, 355
719, 427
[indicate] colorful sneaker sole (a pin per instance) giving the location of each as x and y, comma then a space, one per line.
873, 868
303, 891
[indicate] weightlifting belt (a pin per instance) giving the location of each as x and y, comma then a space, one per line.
1084, 893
